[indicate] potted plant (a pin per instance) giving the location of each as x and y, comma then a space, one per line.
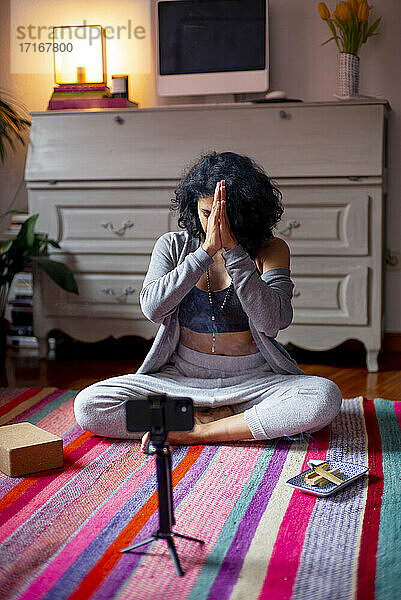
350, 28
26, 248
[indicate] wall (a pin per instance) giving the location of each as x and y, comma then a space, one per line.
299, 65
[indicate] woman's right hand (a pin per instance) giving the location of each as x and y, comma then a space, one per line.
212, 241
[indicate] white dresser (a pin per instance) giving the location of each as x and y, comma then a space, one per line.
102, 182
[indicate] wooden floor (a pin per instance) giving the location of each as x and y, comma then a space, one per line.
77, 365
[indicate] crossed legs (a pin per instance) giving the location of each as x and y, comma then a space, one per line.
287, 405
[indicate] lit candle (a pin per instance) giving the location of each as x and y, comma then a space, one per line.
81, 75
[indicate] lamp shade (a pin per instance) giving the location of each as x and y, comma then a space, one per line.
79, 54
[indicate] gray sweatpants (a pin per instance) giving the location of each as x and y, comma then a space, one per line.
274, 405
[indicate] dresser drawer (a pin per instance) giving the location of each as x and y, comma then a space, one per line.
116, 223
109, 286
104, 264
329, 291
327, 219
156, 143
105, 220
106, 296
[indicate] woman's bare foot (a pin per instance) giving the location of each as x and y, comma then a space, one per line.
224, 429
213, 414
194, 436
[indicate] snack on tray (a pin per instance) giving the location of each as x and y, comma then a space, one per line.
321, 474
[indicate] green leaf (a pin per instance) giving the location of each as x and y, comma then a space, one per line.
58, 272
334, 32
364, 32
340, 23
352, 27
373, 27
26, 234
329, 40
7, 137
358, 43
12, 126
345, 34
10, 123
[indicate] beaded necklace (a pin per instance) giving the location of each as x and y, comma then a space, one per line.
213, 318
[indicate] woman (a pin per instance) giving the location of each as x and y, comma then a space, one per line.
221, 291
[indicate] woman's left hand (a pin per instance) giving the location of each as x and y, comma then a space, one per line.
227, 237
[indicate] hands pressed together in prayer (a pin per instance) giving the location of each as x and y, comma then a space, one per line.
219, 234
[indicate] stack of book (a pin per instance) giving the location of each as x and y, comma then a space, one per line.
11, 231
16, 221
20, 302
19, 309
86, 95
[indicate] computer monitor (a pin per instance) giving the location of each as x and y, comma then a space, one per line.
211, 46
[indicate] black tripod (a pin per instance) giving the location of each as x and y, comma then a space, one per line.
166, 510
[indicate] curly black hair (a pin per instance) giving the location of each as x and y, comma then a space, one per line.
254, 203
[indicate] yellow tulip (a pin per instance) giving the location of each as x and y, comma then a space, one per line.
343, 11
353, 6
359, 2
323, 11
363, 12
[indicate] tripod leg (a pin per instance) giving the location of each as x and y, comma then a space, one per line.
139, 545
174, 555
187, 537
170, 489
164, 487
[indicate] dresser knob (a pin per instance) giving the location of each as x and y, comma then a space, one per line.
296, 293
110, 227
126, 291
291, 225
119, 120
283, 114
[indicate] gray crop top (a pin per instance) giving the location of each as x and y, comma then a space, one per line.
195, 312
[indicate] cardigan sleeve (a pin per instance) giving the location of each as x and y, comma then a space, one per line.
166, 283
265, 298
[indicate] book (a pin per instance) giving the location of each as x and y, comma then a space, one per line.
89, 87
84, 103
17, 220
61, 95
98, 92
23, 340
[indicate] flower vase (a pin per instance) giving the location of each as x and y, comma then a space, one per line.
348, 75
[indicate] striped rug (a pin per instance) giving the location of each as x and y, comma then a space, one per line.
61, 531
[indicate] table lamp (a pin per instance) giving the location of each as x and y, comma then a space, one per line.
80, 74
79, 55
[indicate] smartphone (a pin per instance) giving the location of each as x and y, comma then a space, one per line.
160, 413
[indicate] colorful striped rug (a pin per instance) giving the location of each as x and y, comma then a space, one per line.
61, 531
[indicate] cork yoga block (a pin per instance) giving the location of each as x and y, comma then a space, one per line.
25, 449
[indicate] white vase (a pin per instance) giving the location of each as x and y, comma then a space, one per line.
347, 75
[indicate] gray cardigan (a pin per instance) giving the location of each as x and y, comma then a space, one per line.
178, 261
